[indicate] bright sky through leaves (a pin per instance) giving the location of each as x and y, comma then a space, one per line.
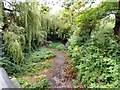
55, 5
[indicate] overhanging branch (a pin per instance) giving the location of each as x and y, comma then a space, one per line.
6, 9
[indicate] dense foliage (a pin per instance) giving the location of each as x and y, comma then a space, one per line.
30, 75
38, 57
97, 60
95, 54
88, 28
28, 30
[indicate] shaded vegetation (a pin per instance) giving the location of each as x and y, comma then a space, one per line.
32, 75
89, 30
57, 45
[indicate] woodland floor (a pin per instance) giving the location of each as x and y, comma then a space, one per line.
57, 74
60, 74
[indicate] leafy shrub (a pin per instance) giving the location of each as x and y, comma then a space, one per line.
11, 68
13, 47
97, 61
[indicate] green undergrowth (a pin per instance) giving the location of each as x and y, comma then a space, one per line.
97, 60
40, 55
41, 83
57, 45
35, 64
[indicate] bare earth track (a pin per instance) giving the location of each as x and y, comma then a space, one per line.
58, 74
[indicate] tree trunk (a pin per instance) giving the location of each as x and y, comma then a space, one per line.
117, 23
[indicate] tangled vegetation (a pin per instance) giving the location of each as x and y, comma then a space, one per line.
89, 30
97, 60
31, 73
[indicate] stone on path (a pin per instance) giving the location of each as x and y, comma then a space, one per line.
56, 82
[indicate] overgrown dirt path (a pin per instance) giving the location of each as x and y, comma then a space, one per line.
56, 74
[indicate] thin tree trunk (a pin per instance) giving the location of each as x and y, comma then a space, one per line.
117, 23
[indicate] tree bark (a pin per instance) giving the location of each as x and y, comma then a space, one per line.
117, 22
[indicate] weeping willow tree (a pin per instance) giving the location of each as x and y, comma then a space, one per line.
32, 22
30, 25
27, 30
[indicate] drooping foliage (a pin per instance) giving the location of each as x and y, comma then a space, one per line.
14, 42
31, 21
28, 30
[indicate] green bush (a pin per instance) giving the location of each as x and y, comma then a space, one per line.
13, 47
97, 61
11, 68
